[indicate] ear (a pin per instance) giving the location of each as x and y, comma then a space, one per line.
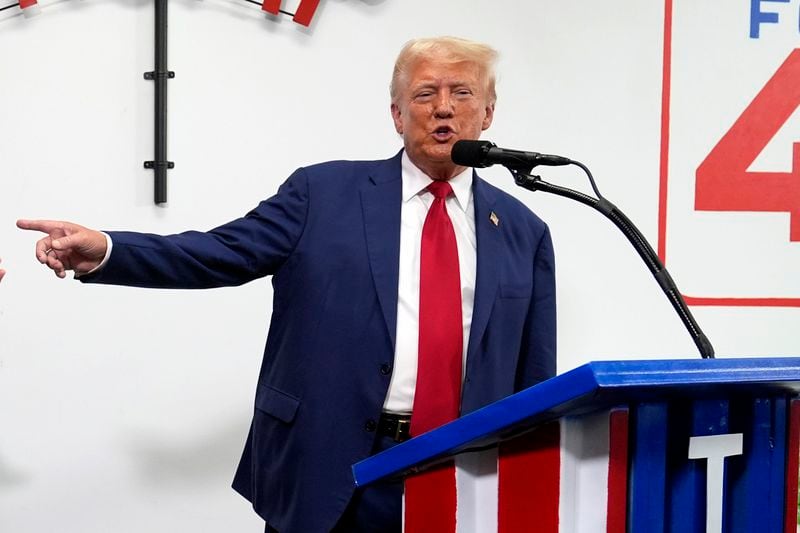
398, 118
487, 119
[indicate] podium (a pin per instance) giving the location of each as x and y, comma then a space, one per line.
614, 446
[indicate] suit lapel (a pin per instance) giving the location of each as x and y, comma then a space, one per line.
380, 200
488, 236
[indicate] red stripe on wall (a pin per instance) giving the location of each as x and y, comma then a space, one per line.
305, 12
792, 457
528, 476
617, 505
743, 302
271, 6
430, 500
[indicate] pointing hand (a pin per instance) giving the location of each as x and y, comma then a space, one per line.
67, 246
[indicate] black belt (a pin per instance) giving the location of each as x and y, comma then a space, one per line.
395, 426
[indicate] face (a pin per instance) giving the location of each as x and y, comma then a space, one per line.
442, 102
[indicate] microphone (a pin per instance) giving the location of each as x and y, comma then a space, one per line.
483, 154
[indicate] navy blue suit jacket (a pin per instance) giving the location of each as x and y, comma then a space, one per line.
330, 238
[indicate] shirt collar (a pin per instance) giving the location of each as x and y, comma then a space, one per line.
416, 181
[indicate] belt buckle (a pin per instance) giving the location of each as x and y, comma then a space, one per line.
398, 432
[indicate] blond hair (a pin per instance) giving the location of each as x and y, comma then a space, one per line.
453, 49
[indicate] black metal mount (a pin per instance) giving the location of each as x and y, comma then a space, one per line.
523, 178
160, 75
152, 75
153, 164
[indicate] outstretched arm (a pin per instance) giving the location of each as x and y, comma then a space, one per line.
244, 249
67, 246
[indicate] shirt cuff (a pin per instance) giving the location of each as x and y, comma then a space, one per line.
109, 246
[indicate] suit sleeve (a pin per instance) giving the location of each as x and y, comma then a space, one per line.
537, 360
244, 249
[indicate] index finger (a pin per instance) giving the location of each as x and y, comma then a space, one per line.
45, 226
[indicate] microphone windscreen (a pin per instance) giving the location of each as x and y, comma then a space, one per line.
470, 153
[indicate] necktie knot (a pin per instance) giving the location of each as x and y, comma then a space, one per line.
440, 189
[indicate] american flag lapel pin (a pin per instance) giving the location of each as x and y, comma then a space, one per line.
494, 219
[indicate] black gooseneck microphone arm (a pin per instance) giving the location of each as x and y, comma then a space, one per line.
523, 178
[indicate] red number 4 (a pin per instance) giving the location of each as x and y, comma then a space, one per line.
723, 181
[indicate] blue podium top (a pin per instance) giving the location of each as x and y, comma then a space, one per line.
590, 387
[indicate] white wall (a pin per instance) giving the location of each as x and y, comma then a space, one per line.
125, 410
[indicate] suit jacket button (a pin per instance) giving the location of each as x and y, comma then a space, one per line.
370, 425
386, 369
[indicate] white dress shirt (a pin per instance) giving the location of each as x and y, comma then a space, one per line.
415, 203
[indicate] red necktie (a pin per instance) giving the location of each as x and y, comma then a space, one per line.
431, 495
438, 391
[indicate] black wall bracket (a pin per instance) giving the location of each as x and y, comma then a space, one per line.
160, 75
151, 75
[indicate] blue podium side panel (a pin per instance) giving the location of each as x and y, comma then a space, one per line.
668, 490
755, 501
648, 469
687, 478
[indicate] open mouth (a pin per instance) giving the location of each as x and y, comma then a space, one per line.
443, 133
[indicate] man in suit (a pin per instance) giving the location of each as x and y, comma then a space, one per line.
341, 241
